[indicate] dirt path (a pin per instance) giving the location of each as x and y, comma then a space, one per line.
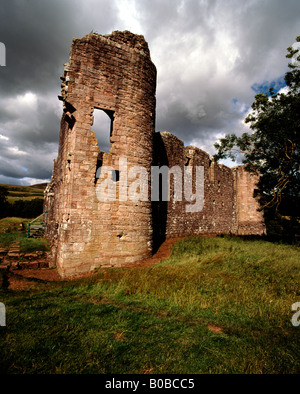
26, 278
163, 252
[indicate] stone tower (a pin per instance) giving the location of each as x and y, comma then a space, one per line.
113, 73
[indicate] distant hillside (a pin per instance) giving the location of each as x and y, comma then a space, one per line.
17, 192
39, 186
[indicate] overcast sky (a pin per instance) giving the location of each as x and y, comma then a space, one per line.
212, 57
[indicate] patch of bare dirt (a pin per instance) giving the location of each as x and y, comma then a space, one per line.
163, 253
215, 329
24, 279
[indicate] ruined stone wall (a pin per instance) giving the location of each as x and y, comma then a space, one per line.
229, 204
249, 218
113, 73
218, 215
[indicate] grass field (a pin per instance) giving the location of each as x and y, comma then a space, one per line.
13, 230
216, 305
16, 192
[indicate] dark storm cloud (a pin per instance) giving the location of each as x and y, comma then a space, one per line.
211, 53
37, 36
210, 56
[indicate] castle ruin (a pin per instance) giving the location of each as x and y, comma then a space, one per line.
115, 73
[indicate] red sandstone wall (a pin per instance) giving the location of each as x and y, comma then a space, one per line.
249, 219
218, 213
113, 73
229, 205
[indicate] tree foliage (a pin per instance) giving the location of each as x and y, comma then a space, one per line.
27, 209
3, 202
20, 208
272, 149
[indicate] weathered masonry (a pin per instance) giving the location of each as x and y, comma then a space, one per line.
114, 73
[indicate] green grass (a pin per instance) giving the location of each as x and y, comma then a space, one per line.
13, 225
160, 319
13, 230
28, 245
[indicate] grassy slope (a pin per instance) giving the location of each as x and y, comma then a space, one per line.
217, 305
17, 192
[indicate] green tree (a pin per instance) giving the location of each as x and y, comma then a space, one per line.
4, 205
272, 149
27, 209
